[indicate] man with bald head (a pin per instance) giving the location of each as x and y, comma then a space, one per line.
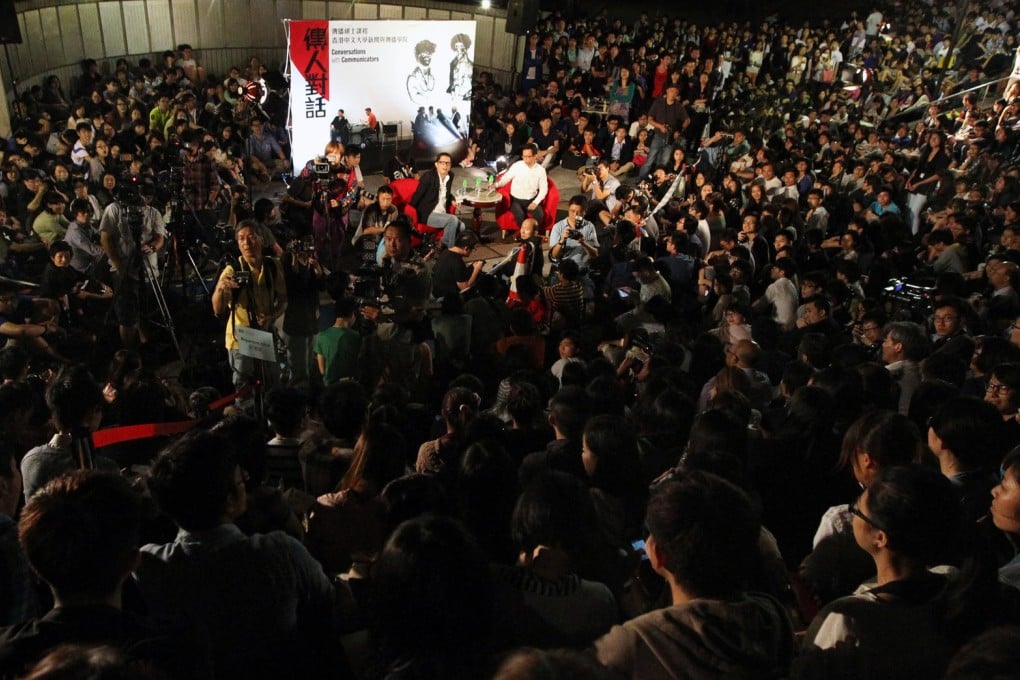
742, 354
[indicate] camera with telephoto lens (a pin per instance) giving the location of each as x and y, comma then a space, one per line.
574, 233
590, 170
242, 278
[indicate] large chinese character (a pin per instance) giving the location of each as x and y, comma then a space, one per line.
315, 107
315, 38
315, 83
314, 61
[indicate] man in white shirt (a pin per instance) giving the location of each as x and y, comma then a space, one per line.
638, 125
528, 186
782, 294
81, 153
586, 53
873, 23
772, 183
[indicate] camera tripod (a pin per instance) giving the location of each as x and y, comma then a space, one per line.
152, 275
180, 206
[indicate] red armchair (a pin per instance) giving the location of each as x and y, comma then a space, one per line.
403, 190
505, 219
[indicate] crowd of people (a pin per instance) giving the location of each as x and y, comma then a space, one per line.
758, 416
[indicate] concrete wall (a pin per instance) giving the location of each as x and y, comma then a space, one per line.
58, 34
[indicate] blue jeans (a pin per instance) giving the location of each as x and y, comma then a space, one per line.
659, 153
450, 225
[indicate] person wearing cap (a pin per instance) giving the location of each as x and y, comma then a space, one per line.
51, 225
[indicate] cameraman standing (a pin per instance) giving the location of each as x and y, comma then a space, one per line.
255, 293
304, 278
131, 232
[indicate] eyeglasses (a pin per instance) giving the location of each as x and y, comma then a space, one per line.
999, 388
943, 319
442, 162
856, 511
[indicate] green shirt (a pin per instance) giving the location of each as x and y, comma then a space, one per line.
50, 227
340, 347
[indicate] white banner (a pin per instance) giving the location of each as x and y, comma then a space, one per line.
414, 73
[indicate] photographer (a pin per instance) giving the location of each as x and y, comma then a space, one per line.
601, 183
304, 278
373, 223
296, 203
67, 286
255, 293
406, 279
131, 232
574, 238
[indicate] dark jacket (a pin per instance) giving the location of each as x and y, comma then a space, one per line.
427, 194
626, 152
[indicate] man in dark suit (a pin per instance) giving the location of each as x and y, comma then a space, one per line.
619, 150
433, 198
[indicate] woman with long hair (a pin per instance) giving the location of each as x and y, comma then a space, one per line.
621, 94
610, 456
345, 528
875, 441
921, 184
460, 405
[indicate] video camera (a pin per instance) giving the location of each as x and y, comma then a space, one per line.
915, 300
129, 198
322, 169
